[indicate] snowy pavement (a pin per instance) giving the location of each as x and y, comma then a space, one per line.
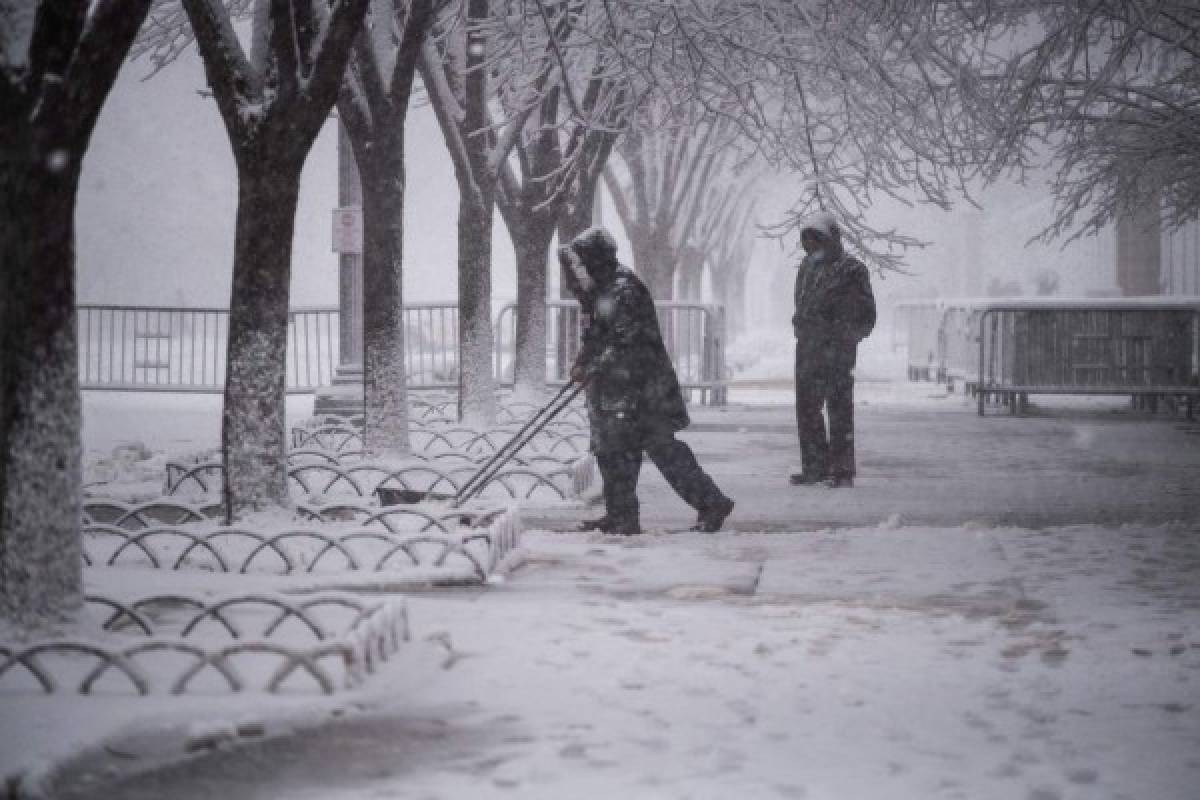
891, 663
926, 458
1002, 608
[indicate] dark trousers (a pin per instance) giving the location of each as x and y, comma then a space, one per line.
674, 459
826, 380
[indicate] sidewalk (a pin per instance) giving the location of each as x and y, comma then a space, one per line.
1002, 608
926, 458
863, 663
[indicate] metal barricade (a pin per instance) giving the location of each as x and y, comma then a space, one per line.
1143, 347
693, 333
431, 345
960, 345
160, 348
924, 335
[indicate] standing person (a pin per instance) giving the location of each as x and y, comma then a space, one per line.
634, 400
835, 310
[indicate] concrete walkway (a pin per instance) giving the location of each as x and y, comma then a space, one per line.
1002, 608
860, 663
926, 458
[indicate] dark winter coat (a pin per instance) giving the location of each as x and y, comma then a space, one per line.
633, 394
835, 309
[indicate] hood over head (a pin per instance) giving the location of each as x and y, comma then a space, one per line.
597, 248
823, 224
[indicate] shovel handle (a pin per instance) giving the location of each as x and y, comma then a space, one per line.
484, 475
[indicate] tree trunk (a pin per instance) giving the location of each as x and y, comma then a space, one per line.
735, 311
691, 275
532, 247
383, 299
651, 258
578, 215
253, 430
476, 395
721, 288
40, 415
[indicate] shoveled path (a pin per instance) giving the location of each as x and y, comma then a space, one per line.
903, 643
928, 458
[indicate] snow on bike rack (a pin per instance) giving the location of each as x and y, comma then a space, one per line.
180, 644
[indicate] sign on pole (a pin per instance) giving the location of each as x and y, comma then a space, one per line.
348, 230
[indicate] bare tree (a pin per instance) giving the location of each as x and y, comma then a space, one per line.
58, 62
373, 106
558, 158
729, 263
669, 164
273, 103
1112, 88
455, 69
859, 98
721, 239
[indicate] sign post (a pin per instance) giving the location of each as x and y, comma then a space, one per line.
348, 230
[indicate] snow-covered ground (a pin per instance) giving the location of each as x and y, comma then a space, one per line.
1002, 608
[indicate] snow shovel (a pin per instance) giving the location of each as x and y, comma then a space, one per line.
493, 465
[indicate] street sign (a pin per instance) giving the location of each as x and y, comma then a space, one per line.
348, 230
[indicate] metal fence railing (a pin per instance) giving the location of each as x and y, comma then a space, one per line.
1142, 347
1008, 349
431, 345
160, 348
693, 333
183, 349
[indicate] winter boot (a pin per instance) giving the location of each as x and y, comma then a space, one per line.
712, 518
624, 527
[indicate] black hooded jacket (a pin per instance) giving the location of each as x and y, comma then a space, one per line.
835, 307
633, 391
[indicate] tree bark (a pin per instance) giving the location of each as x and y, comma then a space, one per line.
735, 303
578, 215
691, 274
253, 429
457, 83
386, 378
373, 110
653, 262
40, 415
50, 97
476, 397
273, 105
532, 244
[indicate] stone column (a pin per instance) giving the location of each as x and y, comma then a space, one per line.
1139, 251
345, 395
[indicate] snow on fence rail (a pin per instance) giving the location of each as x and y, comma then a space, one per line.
1010, 349
180, 643
178, 349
